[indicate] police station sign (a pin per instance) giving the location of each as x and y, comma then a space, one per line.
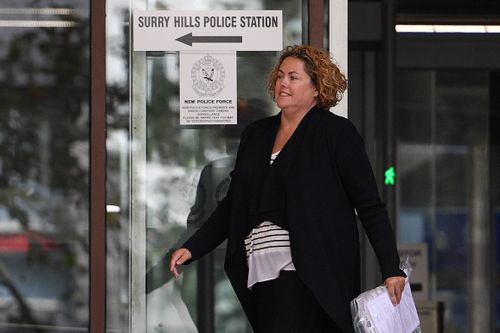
207, 42
208, 30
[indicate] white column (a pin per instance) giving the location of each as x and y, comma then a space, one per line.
338, 44
138, 132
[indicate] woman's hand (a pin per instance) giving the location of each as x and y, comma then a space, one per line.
179, 257
395, 286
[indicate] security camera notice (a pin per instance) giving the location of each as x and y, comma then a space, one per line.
207, 88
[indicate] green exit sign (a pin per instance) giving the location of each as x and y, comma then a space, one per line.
390, 176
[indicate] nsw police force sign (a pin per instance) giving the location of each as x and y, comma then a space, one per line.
208, 30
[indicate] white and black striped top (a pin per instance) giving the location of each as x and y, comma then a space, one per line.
268, 250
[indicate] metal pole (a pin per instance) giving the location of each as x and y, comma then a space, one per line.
480, 286
97, 167
386, 110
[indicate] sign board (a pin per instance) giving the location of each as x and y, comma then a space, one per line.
235, 30
207, 88
419, 279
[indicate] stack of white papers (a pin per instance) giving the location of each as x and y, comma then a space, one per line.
389, 318
373, 312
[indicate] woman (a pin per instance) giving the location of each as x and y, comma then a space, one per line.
289, 214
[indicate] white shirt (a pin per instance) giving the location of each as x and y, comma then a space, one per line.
268, 250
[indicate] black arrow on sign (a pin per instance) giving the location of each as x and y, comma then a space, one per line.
189, 39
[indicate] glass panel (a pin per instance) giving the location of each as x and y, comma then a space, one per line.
177, 176
44, 166
443, 149
495, 183
117, 166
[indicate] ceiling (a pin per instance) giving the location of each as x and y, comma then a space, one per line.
466, 11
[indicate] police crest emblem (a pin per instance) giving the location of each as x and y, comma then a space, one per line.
208, 76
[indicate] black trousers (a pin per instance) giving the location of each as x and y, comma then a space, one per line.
286, 305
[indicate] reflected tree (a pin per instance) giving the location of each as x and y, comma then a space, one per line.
44, 176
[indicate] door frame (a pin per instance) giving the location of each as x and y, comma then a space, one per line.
97, 223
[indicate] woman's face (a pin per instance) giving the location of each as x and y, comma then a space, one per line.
294, 90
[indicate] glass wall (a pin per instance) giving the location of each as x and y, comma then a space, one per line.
44, 166
164, 179
443, 153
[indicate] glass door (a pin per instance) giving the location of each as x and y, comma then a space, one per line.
165, 179
44, 166
179, 173
444, 187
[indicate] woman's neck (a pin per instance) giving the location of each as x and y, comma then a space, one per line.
291, 119
288, 124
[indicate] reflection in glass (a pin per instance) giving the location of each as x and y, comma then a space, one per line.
44, 169
443, 133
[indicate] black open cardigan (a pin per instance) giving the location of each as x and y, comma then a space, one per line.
322, 178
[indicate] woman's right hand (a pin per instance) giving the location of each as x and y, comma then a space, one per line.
179, 257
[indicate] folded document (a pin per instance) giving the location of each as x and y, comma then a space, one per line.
373, 312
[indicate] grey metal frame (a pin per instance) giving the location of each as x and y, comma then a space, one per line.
97, 167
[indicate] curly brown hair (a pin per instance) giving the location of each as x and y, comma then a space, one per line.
326, 77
